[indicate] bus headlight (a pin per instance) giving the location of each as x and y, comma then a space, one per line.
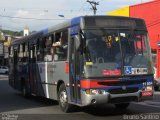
102, 92
95, 91
149, 88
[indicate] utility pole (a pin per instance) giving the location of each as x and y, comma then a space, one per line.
93, 4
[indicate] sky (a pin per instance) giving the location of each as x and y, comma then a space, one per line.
40, 14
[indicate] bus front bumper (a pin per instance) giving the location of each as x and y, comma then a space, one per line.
88, 99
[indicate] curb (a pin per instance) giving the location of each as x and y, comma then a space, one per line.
152, 103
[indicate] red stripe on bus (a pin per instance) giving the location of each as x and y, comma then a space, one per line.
67, 67
94, 83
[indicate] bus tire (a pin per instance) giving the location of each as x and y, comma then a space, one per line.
63, 99
122, 105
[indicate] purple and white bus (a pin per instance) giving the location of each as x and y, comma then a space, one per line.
101, 59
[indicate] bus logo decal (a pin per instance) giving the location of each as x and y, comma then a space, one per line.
127, 70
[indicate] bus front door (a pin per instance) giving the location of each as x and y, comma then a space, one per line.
74, 72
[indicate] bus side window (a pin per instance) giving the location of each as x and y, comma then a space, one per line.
15, 59
48, 54
40, 49
26, 52
18, 51
23, 52
61, 45
11, 54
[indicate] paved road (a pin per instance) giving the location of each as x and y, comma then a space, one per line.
13, 105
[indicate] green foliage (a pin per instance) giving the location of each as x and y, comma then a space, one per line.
13, 33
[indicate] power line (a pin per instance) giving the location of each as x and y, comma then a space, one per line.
94, 6
81, 6
42, 10
29, 18
155, 22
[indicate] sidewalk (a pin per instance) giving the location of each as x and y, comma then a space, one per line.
2, 77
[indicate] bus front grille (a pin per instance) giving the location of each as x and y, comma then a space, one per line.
123, 82
121, 91
123, 99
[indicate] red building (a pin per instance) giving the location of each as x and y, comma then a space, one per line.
150, 12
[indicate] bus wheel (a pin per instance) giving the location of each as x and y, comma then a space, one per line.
122, 105
63, 99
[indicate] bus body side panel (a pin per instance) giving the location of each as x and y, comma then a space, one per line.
59, 74
39, 87
52, 81
49, 75
42, 80
22, 71
17, 77
11, 75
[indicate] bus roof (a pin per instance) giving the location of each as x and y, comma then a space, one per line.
73, 22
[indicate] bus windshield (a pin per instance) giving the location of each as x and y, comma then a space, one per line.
116, 52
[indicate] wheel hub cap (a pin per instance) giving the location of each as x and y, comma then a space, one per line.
63, 98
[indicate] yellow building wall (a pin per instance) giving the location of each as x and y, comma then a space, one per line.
120, 12
7, 43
